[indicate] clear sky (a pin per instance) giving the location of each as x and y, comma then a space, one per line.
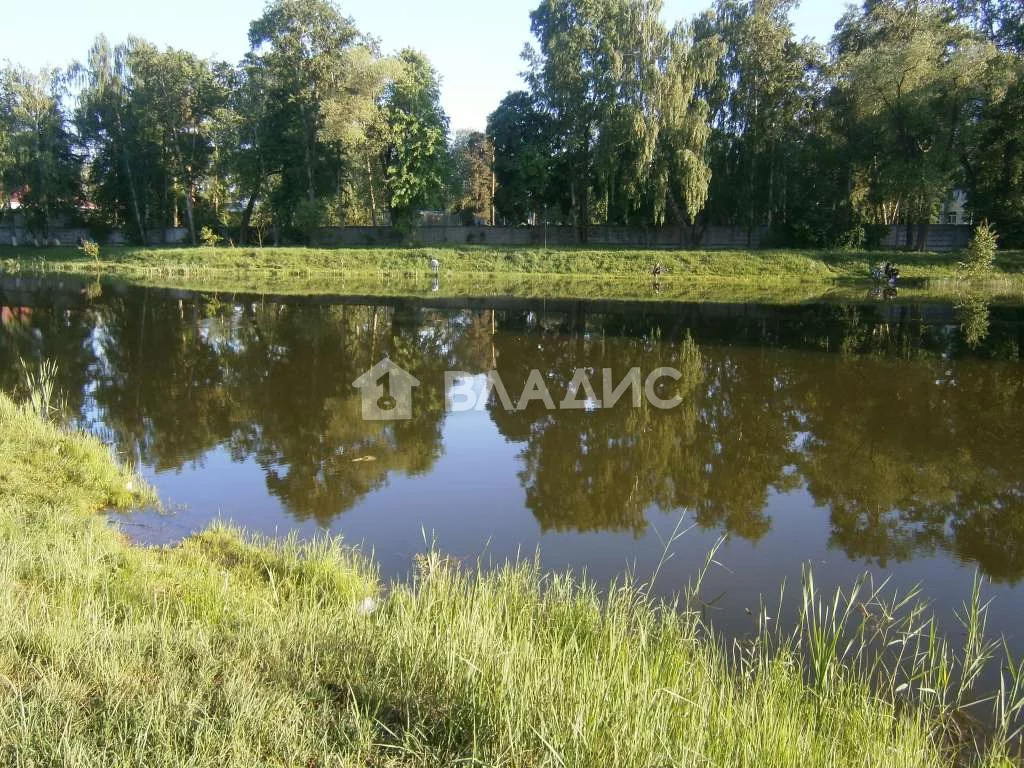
474, 45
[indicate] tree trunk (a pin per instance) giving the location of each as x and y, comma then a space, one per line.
922, 236
583, 214
583, 199
132, 194
243, 234
373, 197
189, 215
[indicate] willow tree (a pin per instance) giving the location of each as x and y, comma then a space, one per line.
613, 79
681, 173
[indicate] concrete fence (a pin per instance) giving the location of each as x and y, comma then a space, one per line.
940, 237
637, 237
72, 236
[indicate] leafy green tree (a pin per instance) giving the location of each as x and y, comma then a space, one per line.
121, 160
297, 63
622, 94
913, 79
37, 155
242, 139
175, 95
523, 139
681, 175
6, 129
762, 100
353, 119
472, 178
591, 71
993, 157
413, 136
1001, 21
145, 118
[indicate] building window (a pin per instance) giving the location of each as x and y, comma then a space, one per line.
951, 218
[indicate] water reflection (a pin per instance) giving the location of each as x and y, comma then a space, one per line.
973, 312
898, 419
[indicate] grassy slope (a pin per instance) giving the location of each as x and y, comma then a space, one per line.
223, 653
577, 273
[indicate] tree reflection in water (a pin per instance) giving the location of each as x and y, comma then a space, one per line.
901, 420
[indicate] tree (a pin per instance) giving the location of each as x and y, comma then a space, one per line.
353, 119
413, 136
622, 96
1001, 21
176, 96
472, 183
299, 60
6, 129
523, 139
119, 157
681, 174
145, 118
37, 157
242, 140
912, 78
993, 152
761, 99
587, 50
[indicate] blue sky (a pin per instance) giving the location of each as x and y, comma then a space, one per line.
475, 46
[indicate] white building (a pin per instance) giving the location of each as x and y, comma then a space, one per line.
954, 209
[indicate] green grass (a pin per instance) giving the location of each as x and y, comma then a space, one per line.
564, 273
226, 652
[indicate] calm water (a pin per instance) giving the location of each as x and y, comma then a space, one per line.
874, 436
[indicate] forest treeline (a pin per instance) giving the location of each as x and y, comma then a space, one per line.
726, 118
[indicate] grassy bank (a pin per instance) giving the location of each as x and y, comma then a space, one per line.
564, 273
225, 653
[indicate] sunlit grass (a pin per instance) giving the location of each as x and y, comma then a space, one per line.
768, 276
223, 652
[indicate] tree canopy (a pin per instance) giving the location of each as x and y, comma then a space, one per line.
727, 118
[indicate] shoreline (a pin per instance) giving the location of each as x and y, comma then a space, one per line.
782, 277
238, 651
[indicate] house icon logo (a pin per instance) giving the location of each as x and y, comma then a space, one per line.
386, 392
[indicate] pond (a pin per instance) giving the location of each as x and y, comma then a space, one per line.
872, 436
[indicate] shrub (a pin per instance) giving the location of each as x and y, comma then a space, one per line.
981, 252
91, 249
208, 237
